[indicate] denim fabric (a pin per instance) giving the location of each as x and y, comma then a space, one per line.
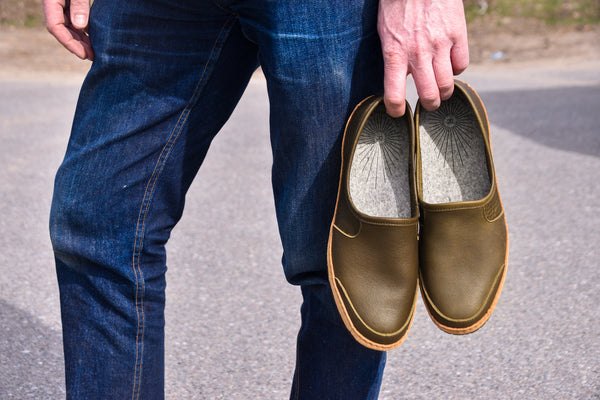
167, 75
330, 364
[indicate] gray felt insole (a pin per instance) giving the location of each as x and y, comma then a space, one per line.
453, 160
379, 181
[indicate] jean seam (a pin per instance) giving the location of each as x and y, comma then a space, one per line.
147, 200
224, 7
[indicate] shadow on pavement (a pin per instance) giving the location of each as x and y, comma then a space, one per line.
31, 362
541, 116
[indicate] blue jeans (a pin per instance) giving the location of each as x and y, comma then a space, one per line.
167, 75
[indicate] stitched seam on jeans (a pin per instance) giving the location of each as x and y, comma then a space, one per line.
224, 7
147, 200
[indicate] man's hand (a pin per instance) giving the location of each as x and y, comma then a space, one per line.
425, 38
67, 21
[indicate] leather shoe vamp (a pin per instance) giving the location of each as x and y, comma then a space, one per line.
376, 272
462, 258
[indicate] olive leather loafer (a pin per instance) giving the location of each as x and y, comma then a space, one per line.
372, 249
463, 242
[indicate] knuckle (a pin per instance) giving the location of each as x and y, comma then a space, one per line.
430, 105
462, 62
446, 86
420, 53
429, 93
395, 103
430, 99
52, 29
462, 65
446, 93
394, 57
79, 4
395, 111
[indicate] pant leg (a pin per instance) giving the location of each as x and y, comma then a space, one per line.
167, 75
330, 363
320, 58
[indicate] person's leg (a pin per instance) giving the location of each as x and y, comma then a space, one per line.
330, 363
320, 58
167, 75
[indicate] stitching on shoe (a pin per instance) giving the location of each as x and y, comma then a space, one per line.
355, 312
491, 293
337, 228
493, 210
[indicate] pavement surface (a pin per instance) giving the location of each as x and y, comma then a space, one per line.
231, 316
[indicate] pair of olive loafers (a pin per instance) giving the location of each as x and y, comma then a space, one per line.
417, 206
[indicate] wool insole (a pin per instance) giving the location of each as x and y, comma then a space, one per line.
453, 154
379, 181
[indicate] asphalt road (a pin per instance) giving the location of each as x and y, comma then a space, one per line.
232, 318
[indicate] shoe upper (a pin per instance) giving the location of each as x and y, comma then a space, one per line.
463, 245
462, 260
373, 261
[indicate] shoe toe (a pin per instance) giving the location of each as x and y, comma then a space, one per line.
461, 305
376, 283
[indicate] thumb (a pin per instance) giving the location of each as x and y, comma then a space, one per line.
79, 11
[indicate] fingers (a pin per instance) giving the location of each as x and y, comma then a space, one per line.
433, 73
80, 44
394, 83
73, 39
79, 11
77, 42
434, 76
444, 75
459, 55
426, 83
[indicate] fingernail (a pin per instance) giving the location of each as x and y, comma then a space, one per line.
80, 20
